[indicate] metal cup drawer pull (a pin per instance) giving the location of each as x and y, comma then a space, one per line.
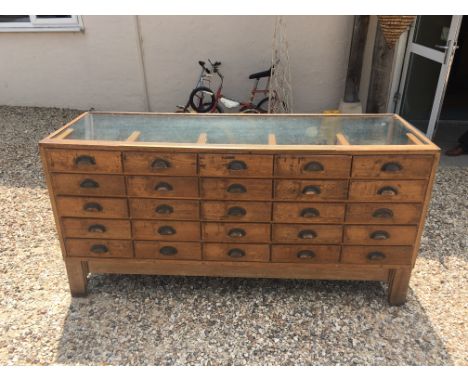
168, 251
166, 230
236, 232
392, 167
375, 256
307, 234
92, 207
236, 189
163, 186
237, 165
85, 160
89, 183
310, 213
159, 164
99, 248
311, 190
164, 209
305, 254
379, 235
236, 211
387, 191
97, 228
383, 213
313, 167
236, 253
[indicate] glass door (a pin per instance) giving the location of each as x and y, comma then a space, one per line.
429, 56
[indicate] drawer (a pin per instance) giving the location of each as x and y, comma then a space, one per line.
80, 184
166, 230
306, 190
236, 252
98, 248
308, 212
305, 253
236, 211
164, 209
307, 233
390, 190
96, 228
380, 235
392, 166
92, 207
313, 166
236, 232
236, 189
394, 255
84, 161
160, 163
167, 250
383, 213
163, 187
258, 166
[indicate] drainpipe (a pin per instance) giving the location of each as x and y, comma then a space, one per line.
142, 62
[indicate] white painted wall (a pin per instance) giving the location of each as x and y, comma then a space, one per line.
101, 66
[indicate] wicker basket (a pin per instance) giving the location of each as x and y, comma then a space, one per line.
394, 26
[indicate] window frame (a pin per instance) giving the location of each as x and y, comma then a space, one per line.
72, 24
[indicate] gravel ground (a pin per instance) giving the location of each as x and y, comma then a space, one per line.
214, 321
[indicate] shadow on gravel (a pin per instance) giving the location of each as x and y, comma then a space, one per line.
146, 320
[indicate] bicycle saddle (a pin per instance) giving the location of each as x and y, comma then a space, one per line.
266, 73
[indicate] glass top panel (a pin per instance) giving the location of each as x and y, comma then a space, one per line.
242, 130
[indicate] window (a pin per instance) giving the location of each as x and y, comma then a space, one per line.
40, 23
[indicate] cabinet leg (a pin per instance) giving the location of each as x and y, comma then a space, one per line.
398, 283
77, 277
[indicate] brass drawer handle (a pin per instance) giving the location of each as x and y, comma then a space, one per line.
98, 228
392, 167
236, 253
379, 235
160, 164
236, 211
375, 256
311, 190
237, 165
164, 209
305, 254
89, 183
313, 167
163, 186
236, 189
383, 213
168, 251
236, 233
92, 207
99, 248
166, 230
310, 213
307, 234
85, 160
387, 191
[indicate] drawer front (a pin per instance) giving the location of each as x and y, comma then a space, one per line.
96, 228
392, 190
383, 213
167, 250
378, 255
236, 232
236, 211
306, 190
307, 233
166, 209
236, 189
84, 161
160, 163
80, 184
305, 253
162, 187
99, 248
313, 166
166, 230
392, 166
236, 252
380, 235
236, 165
92, 207
308, 212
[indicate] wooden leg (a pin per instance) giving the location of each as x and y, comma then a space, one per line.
398, 283
77, 277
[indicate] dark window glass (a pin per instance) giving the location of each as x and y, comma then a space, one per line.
14, 19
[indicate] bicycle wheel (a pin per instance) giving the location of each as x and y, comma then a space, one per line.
202, 99
262, 106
